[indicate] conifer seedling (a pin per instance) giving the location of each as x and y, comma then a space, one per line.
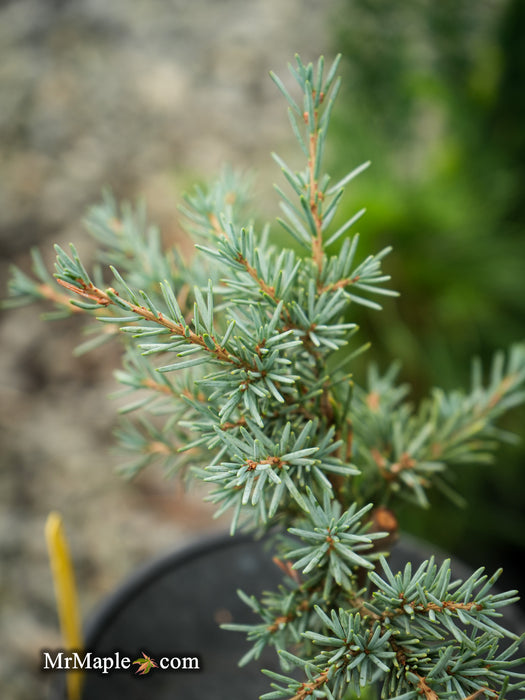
238, 364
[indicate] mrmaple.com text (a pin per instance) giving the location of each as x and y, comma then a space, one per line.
87, 661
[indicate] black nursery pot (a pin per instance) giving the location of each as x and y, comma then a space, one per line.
173, 608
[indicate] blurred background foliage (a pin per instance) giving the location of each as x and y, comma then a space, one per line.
434, 96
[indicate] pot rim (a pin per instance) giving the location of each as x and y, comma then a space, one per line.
141, 577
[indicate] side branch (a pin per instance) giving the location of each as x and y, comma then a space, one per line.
104, 298
219, 231
46, 291
306, 690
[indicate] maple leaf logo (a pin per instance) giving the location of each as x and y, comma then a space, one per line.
146, 664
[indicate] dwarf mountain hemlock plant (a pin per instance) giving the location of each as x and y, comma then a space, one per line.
239, 363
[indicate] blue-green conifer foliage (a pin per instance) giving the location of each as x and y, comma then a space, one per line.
238, 367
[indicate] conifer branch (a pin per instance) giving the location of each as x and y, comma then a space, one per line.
265, 410
47, 293
110, 297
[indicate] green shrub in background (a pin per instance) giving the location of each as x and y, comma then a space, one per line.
435, 99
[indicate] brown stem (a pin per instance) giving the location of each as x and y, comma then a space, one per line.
317, 242
89, 291
266, 288
482, 691
420, 608
425, 689
340, 284
47, 292
157, 386
307, 689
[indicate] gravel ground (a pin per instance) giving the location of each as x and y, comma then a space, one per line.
139, 97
